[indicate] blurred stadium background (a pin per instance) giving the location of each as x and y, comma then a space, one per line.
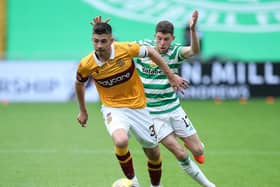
235, 82
41, 43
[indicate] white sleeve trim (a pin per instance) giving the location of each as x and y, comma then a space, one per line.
143, 52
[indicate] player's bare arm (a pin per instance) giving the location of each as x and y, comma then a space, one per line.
80, 93
177, 82
194, 48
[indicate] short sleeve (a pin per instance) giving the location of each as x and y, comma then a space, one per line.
136, 50
82, 72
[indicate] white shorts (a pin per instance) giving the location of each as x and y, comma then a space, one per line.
175, 121
138, 121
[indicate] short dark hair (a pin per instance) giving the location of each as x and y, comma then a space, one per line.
165, 27
102, 28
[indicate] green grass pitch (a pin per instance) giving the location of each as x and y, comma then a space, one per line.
42, 145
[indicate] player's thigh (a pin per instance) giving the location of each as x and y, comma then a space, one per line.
172, 144
194, 144
192, 141
115, 118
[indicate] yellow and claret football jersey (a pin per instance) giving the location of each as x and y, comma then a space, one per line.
117, 80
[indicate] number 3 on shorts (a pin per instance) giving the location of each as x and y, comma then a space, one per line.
152, 130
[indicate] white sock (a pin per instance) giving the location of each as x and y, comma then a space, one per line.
193, 170
135, 182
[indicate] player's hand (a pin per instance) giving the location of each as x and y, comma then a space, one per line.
179, 84
82, 118
98, 19
193, 20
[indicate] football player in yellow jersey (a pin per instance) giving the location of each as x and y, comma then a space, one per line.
122, 95
171, 122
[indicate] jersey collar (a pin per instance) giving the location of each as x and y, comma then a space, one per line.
112, 56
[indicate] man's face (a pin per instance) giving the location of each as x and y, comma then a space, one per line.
163, 41
102, 43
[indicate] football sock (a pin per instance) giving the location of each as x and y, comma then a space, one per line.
193, 170
154, 168
125, 160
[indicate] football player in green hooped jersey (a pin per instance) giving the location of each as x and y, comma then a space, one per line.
163, 103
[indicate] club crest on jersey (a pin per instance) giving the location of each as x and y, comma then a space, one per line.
120, 63
152, 64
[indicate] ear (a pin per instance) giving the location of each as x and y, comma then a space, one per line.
112, 40
173, 37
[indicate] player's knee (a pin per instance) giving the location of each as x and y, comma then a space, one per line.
198, 151
121, 142
198, 154
120, 138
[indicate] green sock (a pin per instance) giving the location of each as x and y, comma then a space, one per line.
186, 161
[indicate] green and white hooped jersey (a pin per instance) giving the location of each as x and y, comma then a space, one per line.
161, 97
